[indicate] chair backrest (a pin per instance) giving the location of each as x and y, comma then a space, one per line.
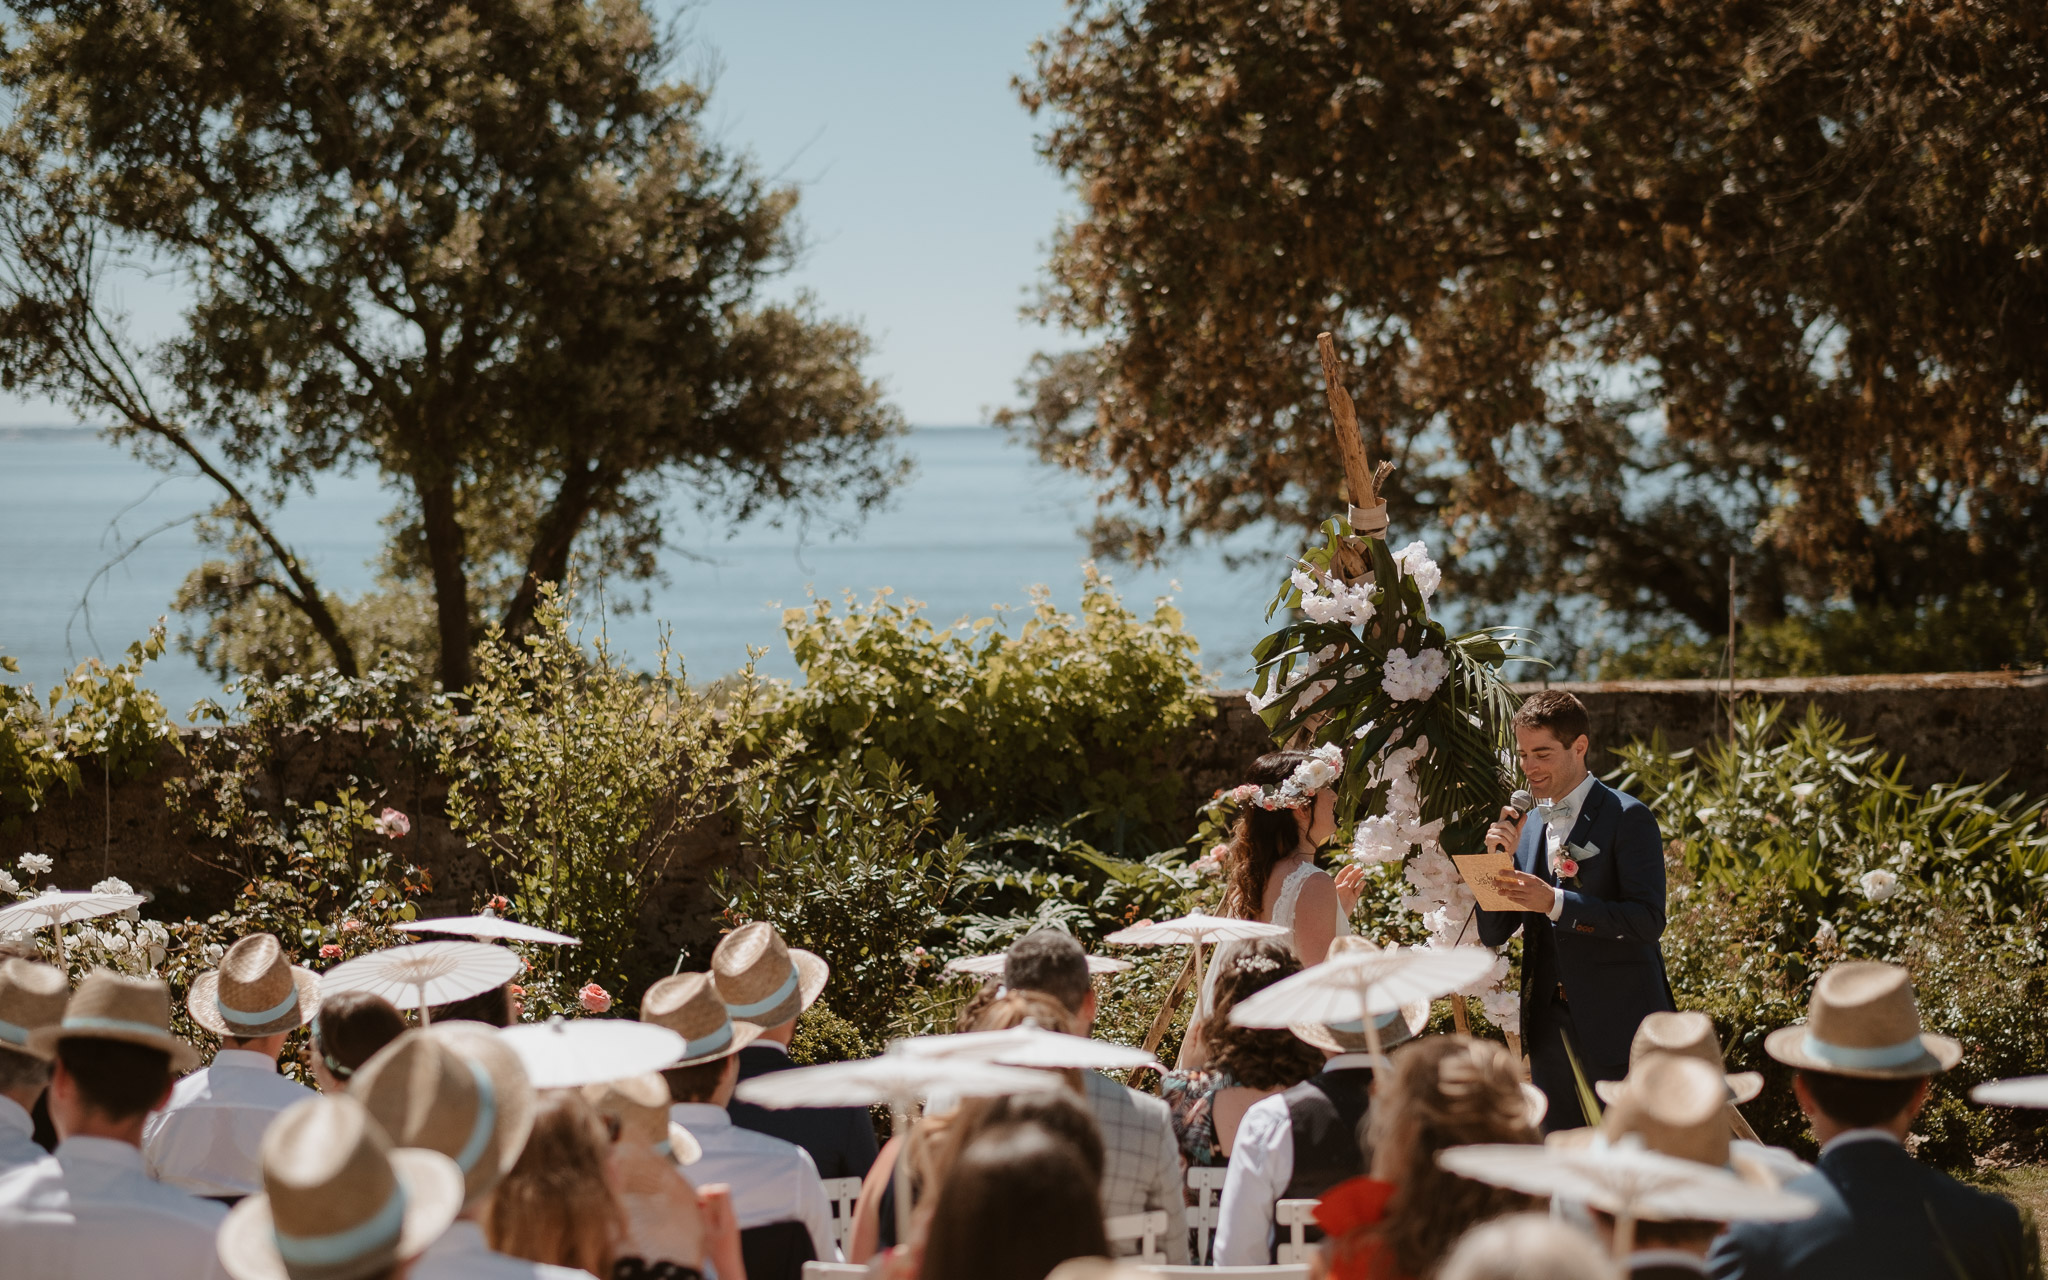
1145, 1228
833, 1270
1297, 1216
1297, 1271
843, 1193
1206, 1213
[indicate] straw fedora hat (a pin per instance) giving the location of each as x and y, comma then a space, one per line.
456, 1089
689, 1005
255, 992
1676, 1105
1397, 1027
639, 1104
764, 980
1691, 1035
114, 1006
337, 1202
32, 995
1862, 1022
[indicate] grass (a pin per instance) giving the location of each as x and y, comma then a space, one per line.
2025, 1185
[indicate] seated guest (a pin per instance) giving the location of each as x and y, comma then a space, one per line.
649, 1156
1242, 1065
1016, 1203
32, 996
351, 1028
338, 1202
1303, 1141
92, 1209
1399, 1223
209, 1141
1862, 1069
765, 981
785, 1220
498, 1007
461, 1091
1141, 1169
1527, 1246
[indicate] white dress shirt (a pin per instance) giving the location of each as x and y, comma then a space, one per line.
91, 1212
1261, 1166
462, 1254
17, 1136
1557, 830
771, 1180
209, 1139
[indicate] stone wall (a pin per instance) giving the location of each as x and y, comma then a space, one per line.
1946, 727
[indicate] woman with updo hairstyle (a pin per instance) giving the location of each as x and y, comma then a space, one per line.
1400, 1221
1244, 1064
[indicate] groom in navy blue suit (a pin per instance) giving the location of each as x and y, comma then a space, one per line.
1589, 873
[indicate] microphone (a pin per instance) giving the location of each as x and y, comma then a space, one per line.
1521, 802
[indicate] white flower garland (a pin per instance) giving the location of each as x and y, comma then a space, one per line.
1322, 769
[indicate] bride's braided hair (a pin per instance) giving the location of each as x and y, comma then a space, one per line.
1262, 838
1444, 1091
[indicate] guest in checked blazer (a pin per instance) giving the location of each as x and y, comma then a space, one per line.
1590, 879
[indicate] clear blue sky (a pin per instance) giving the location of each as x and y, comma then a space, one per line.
926, 208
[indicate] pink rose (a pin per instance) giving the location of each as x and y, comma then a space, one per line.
330, 951
392, 823
1568, 868
594, 998
498, 902
515, 988
351, 926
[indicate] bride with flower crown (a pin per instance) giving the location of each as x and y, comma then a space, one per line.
1287, 810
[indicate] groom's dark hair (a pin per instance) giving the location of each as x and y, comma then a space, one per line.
1559, 712
1050, 961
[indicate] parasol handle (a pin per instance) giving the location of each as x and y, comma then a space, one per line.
426, 1019
899, 1126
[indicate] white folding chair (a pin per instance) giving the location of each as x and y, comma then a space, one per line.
1206, 1212
1145, 1228
1297, 1271
834, 1271
843, 1193
1296, 1216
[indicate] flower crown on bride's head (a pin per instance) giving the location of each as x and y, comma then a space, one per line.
1324, 766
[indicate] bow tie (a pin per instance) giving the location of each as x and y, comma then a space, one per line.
1552, 810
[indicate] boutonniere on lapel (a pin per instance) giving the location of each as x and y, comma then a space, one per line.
1565, 865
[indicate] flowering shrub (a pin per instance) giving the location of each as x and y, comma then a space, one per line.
99, 712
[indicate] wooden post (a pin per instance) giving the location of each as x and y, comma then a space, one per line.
1361, 479
1165, 1018
1461, 1018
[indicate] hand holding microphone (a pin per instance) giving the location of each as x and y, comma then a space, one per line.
1505, 834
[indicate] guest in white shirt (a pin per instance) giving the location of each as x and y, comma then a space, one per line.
784, 1217
459, 1090
32, 995
209, 1140
91, 1211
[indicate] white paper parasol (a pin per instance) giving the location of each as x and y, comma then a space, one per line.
58, 908
898, 1079
1359, 986
1195, 929
425, 973
565, 1054
1629, 1182
992, 966
1029, 1046
2019, 1091
489, 927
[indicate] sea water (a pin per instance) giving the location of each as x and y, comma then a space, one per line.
93, 545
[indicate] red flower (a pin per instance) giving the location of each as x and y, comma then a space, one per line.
594, 998
498, 902
1568, 868
330, 951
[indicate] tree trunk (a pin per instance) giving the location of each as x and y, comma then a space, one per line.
547, 559
451, 581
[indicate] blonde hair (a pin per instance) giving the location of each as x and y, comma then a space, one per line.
557, 1205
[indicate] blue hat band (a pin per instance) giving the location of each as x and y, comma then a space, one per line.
381, 1231
781, 993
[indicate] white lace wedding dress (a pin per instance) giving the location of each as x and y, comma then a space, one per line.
1281, 914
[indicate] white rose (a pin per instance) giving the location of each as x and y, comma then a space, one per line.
8, 883
1879, 885
1825, 935
35, 864
112, 884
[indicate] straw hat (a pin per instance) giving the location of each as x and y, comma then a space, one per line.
764, 980
456, 1090
1690, 1035
689, 1005
1675, 1105
1396, 1027
32, 995
337, 1202
640, 1105
1862, 1022
114, 1006
255, 992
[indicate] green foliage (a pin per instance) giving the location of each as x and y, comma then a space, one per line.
100, 712
1770, 839
1981, 629
1066, 719
580, 779
849, 862
823, 1036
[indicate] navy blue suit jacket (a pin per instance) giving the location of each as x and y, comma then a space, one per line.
1882, 1213
841, 1140
1603, 945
